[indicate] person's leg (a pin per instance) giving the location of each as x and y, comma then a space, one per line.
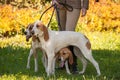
72, 19
71, 22
74, 65
62, 16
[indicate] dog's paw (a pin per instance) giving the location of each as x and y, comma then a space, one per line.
52, 73
81, 72
68, 73
28, 67
36, 70
98, 75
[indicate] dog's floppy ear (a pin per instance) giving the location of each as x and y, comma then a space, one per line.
34, 38
46, 35
43, 28
70, 58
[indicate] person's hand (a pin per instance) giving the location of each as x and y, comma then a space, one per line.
84, 11
55, 2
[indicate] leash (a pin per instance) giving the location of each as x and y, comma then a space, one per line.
51, 15
45, 11
58, 15
66, 6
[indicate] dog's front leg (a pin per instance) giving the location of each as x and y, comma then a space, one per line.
67, 67
50, 59
53, 65
28, 61
35, 60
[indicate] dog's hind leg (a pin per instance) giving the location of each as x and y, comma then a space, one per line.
88, 55
79, 54
84, 62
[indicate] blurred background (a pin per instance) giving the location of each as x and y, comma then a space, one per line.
15, 15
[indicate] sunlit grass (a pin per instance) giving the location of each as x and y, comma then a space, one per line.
104, 40
14, 52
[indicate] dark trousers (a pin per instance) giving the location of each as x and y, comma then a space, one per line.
74, 65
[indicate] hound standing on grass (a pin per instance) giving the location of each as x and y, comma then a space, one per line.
53, 41
34, 46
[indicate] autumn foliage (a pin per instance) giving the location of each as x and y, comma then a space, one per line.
101, 16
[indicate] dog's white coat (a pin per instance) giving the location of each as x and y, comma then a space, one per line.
61, 39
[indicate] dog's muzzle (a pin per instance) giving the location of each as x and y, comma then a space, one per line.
28, 37
25, 33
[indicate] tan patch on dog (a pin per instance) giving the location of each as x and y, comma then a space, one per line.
34, 38
43, 28
88, 45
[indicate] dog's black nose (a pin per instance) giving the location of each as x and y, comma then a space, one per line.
25, 33
32, 32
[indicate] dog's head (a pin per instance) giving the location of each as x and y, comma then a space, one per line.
28, 31
40, 30
66, 54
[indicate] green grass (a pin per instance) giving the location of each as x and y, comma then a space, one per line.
106, 51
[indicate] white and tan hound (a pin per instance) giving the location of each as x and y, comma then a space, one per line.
34, 46
53, 41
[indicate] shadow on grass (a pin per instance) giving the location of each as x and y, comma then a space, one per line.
13, 61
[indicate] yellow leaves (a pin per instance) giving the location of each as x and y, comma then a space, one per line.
102, 16
11, 20
16, 41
